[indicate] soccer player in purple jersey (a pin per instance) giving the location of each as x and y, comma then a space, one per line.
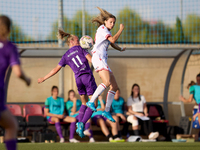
77, 58
8, 57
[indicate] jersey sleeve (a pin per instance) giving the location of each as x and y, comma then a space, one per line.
46, 103
191, 90
85, 51
129, 101
104, 32
63, 62
14, 56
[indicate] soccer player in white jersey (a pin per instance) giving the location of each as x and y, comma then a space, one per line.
103, 39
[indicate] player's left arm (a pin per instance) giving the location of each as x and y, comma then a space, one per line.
50, 74
115, 46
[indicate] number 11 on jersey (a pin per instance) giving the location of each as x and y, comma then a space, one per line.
79, 60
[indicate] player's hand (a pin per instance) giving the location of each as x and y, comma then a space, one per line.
60, 116
28, 81
181, 98
146, 114
123, 49
40, 80
121, 27
74, 99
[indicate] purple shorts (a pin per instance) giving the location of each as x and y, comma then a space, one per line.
96, 117
2, 103
86, 84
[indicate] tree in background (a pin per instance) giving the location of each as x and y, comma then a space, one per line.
191, 28
179, 31
17, 35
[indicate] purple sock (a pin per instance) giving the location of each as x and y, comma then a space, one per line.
58, 129
81, 112
72, 130
87, 126
88, 114
11, 144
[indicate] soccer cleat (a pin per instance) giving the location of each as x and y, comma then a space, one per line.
80, 129
91, 106
108, 116
62, 140
73, 140
117, 140
92, 140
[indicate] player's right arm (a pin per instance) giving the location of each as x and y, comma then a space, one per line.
50, 74
114, 38
19, 73
189, 100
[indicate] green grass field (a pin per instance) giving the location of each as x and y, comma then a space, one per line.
108, 146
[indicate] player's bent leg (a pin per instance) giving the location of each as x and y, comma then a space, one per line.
58, 128
103, 126
69, 119
9, 123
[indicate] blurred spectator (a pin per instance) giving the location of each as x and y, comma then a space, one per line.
137, 106
54, 110
73, 105
194, 90
103, 122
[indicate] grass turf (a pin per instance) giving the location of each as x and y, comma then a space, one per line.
108, 146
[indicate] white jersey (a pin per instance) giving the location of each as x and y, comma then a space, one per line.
101, 41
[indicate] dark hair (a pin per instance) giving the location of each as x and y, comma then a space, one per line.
54, 87
5, 25
69, 93
198, 75
138, 92
190, 84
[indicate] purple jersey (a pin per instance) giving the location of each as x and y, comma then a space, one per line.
75, 58
8, 56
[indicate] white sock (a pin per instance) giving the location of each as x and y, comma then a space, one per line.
110, 97
98, 92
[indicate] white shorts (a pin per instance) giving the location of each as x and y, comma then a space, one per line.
100, 63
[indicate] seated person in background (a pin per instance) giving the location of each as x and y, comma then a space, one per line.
137, 106
194, 90
117, 106
54, 110
103, 122
73, 106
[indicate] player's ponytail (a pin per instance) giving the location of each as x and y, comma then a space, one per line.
103, 16
5, 25
62, 34
190, 84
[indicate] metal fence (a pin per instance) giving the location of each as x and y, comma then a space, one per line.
35, 23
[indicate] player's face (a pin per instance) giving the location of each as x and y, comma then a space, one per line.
55, 92
198, 80
136, 90
110, 23
71, 95
117, 94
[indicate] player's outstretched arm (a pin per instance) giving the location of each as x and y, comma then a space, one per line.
189, 100
50, 74
115, 46
19, 73
114, 38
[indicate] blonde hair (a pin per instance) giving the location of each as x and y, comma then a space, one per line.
5, 25
190, 84
62, 34
103, 16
